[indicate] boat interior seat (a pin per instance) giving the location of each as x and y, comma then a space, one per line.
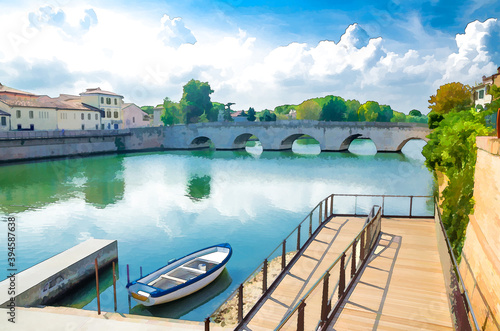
215, 257
198, 271
182, 281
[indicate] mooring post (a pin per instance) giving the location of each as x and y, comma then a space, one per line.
114, 285
240, 303
128, 275
283, 256
141, 272
207, 324
324, 301
300, 317
97, 287
411, 204
264, 277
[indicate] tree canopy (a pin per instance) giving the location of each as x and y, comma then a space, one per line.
267, 116
196, 101
251, 115
451, 97
334, 110
308, 110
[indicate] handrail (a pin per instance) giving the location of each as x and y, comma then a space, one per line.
464, 294
324, 214
369, 222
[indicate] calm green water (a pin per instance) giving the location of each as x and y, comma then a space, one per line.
167, 204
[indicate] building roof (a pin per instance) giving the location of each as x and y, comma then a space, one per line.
63, 102
98, 91
238, 113
4, 113
492, 77
7, 89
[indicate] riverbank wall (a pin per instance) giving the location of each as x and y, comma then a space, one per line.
32, 145
480, 263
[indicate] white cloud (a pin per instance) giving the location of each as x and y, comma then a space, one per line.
148, 58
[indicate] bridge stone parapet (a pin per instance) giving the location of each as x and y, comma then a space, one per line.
280, 135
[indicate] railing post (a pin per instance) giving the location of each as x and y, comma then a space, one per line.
207, 324
411, 204
342, 276
264, 277
320, 212
355, 205
128, 275
240, 303
298, 238
114, 285
326, 209
300, 317
362, 247
324, 302
331, 205
310, 224
353, 260
383, 203
283, 256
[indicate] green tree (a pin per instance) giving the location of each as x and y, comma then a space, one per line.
334, 110
415, 112
308, 110
451, 96
217, 107
227, 115
196, 100
369, 111
398, 117
267, 116
284, 109
352, 110
434, 120
251, 115
385, 113
451, 149
172, 113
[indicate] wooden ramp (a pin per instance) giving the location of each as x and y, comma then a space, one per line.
333, 238
402, 286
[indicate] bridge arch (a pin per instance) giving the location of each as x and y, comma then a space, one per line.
200, 142
287, 143
403, 143
241, 140
344, 146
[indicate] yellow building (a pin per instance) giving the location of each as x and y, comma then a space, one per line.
481, 92
108, 102
75, 115
4, 121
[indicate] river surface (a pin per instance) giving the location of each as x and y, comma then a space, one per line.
165, 205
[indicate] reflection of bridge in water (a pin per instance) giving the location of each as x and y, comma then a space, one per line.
280, 135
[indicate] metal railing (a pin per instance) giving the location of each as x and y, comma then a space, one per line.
12, 135
322, 212
367, 239
458, 297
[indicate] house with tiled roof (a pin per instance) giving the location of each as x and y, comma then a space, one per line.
108, 102
481, 91
134, 116
4, 121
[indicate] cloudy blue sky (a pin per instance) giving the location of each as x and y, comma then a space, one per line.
254, 53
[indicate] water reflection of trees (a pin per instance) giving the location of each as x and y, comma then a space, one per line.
105, 184
198, 187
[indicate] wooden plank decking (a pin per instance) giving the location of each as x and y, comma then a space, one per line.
319, 255
402, 286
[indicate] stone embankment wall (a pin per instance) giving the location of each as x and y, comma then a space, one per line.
30, 145
480, 264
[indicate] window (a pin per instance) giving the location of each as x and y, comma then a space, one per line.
102, 99
4, 121
481, 94
96, 118
89, 116
83, 117
19, 127
108, 114
18, 114
108, 101
133, 119
102, 126
31, 113
97, 126
83, 126
116, 114
116, 102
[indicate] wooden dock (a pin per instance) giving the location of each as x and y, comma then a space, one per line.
402, 286
316, 258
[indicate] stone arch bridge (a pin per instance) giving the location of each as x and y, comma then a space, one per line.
280, 135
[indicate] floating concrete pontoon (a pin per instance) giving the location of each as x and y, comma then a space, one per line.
44, 282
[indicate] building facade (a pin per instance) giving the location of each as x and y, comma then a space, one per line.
481, 92
109, 103
4, 121
134, 117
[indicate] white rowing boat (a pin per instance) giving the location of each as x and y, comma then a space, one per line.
181, 277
